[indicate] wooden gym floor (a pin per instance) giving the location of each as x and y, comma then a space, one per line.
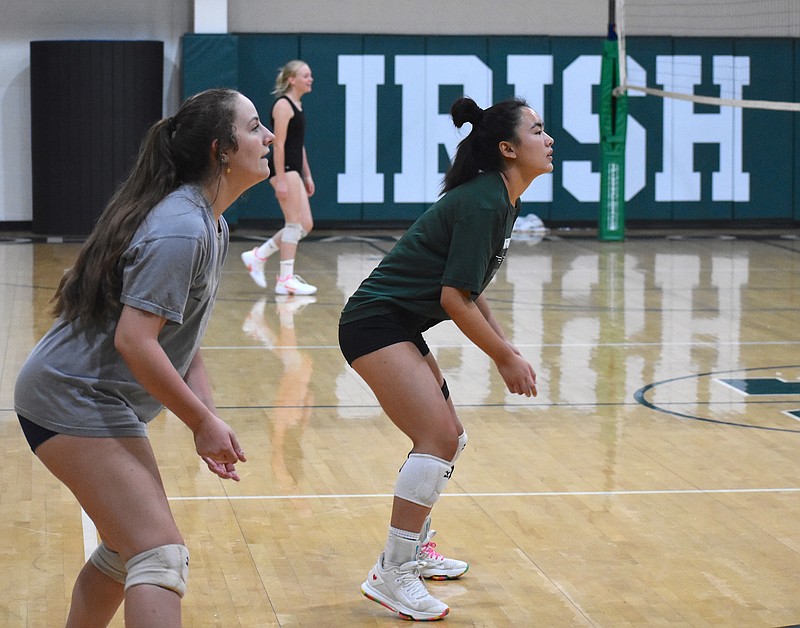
653, 482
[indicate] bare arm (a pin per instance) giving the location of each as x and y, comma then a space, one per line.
476, 321
308, 180
190, 400
281, 114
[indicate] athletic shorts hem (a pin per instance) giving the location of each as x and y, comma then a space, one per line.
34, 434
40, 433
367, 335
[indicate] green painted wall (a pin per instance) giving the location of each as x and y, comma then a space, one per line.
379, 137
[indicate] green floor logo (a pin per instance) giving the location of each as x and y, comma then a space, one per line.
774, 386
764, 403
763, 386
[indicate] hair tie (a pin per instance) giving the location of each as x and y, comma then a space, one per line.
477, 118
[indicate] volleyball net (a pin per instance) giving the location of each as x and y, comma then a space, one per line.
679, 75
697, 56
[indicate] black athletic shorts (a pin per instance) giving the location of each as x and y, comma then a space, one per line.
35, 434
366, 335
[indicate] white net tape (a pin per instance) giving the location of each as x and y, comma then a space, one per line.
704, 18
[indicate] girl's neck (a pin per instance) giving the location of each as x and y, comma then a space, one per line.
216, 195
514, 184
294, 97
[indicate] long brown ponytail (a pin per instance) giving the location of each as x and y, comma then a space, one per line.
174, 151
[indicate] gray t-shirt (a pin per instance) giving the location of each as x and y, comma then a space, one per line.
75, 382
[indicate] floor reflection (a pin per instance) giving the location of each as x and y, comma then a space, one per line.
294, 401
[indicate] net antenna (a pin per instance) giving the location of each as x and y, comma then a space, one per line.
703, 18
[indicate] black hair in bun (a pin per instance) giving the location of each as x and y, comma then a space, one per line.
479, 151
465, 110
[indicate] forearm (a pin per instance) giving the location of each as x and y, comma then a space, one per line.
483, 306
279, 159
476, 322
136, 340
199, 383
153, 370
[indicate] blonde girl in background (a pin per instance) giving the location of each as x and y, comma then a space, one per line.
291, 179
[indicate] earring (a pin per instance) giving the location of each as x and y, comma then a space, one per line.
228, 170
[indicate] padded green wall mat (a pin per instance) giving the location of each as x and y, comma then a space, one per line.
379, 135
796, 135
771, 134
209, 61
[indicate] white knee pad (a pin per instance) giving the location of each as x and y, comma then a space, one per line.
110, 563
422, 479
462, 442
166, 567
293, 232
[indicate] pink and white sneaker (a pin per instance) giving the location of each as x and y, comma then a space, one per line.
255, 266
293, 284
437, 567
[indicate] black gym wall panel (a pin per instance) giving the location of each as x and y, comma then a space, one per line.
91, 104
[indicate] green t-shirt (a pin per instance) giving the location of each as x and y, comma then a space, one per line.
460, 241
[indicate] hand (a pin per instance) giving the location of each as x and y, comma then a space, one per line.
309, 183
518, 375
226, 471
217, 445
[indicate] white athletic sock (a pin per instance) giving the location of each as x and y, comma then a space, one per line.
268, 248
287, 268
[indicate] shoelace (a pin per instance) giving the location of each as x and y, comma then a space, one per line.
408, 576
428, 550
295, 278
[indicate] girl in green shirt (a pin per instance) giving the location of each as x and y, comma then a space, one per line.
438, 271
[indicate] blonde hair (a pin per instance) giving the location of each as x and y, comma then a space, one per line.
284, 74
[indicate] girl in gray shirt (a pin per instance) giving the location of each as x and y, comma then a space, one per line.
131, 314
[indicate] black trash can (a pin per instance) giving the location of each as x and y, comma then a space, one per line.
91, 104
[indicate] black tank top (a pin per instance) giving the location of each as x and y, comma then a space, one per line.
295, 135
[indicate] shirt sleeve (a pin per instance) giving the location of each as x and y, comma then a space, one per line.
471, 250
158, 274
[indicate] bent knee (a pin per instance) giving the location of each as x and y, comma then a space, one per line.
166, 566
442, 443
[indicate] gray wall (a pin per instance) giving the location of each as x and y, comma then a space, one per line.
24, 21
420, 17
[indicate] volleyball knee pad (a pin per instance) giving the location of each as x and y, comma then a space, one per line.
166, 567
422, 479
462, 442
109, 562
293, 232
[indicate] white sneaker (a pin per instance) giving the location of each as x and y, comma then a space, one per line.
436, 566
402, 590
255, 327
292, 304
255, 266
293, 284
